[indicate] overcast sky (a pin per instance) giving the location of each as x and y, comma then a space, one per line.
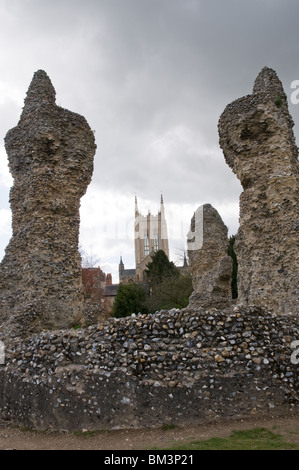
152, 78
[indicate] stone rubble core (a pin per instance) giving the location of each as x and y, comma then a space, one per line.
50, 155
173, 367
209, 263
255, 134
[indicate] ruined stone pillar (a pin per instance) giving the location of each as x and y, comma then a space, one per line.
50, 155
209, 264
258, 144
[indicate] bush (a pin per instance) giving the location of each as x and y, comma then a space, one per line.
172, 292
130, 298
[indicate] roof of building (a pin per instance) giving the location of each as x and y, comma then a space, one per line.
110, 291
129, 272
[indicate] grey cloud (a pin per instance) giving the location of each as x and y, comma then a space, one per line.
174, 64
138, 70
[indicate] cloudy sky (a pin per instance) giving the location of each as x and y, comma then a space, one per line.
152, 78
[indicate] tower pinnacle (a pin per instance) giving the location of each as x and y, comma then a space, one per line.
40, 93
136, 206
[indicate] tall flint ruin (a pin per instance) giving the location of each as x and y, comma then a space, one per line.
258, 144
50, 155
210, 265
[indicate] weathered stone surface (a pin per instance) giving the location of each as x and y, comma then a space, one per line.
258, 143
178, 366
50, 156
210, 265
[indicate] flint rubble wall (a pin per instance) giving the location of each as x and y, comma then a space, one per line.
178, 366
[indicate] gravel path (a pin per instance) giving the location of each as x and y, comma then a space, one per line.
133, 439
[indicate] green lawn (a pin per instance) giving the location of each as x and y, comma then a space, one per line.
253, 439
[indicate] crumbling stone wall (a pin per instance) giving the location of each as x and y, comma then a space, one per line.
258, 143
209, 263
198, 364
50, 155
173, 367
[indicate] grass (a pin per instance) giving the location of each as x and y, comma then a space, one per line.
167, 427
253, 439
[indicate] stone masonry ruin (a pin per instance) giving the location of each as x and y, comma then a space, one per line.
177, 367
210, 265
208, 362
258, 143
50, 156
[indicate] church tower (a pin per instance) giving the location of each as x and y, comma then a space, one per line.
150, 236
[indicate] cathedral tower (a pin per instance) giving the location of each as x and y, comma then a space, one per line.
150, 236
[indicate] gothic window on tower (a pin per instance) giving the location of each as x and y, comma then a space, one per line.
146, 244
156, 242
